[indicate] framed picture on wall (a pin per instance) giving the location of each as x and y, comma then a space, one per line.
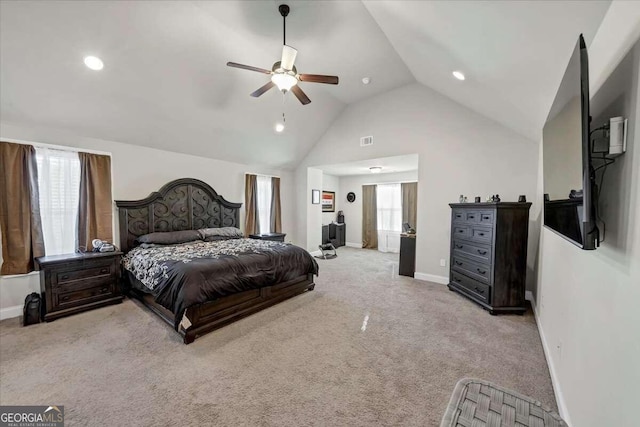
328, 201
315, 197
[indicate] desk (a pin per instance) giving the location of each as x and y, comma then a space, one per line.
407, 255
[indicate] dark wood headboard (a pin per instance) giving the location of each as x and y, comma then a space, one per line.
183, 204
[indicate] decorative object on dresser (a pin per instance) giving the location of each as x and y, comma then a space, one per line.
276, 237
489, 254
79, 282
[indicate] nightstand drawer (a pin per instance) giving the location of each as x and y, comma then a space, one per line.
69, 276
78, 285
91, 294
72, 283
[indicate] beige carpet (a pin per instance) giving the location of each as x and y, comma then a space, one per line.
312, 360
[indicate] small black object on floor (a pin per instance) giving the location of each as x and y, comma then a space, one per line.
32, 309
326, 251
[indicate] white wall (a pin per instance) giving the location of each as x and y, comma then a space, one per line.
587, 301
137, 171
331, 183
461, 152
312, 214
353, 211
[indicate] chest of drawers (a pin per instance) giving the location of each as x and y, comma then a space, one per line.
78, 282
488, 260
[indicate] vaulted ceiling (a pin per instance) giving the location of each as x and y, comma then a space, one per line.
165, 83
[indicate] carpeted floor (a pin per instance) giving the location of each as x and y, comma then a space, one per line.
366, 347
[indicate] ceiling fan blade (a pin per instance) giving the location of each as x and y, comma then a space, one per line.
317, 78
263, 89
248, 67
288, 57
302, 97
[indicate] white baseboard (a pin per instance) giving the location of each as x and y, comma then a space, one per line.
528, 295
431, 278
353, 245
557, 391
9, 312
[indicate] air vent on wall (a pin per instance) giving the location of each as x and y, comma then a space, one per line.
366, 140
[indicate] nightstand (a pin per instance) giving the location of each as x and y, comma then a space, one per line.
73, 283
276, 237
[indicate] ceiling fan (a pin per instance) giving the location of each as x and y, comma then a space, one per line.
284, 74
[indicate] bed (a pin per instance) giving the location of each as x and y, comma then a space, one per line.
199, 286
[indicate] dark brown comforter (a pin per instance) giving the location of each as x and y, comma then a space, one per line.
179, 276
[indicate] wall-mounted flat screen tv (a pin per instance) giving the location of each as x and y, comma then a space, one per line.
568, 185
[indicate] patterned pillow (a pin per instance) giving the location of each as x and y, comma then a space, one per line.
223, 233
170, 237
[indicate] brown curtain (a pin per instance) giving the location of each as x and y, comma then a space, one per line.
252, 220
410, 203
369, 217
276, 214
20, 221
95, 208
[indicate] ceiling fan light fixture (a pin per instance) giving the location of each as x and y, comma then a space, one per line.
284, 81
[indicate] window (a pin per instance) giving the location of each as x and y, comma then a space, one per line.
59, 192
264, 203
389, 202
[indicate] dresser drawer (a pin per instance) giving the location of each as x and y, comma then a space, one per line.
461, 231
476, 251
97, 292
481, 234
458, 215
486, 218
478, 271
476, 289
466, 216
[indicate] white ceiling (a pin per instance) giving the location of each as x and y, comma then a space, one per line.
394, 164
513, 53
165, 83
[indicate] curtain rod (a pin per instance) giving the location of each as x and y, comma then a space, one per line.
54, 146
391, 182
261, 174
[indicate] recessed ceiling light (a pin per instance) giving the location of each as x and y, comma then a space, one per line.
279, 127
375, 169
93, 63
458, 75
366, 80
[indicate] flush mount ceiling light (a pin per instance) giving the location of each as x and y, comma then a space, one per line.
279, 127
94, 63
458, 75
375, 169
366, 80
